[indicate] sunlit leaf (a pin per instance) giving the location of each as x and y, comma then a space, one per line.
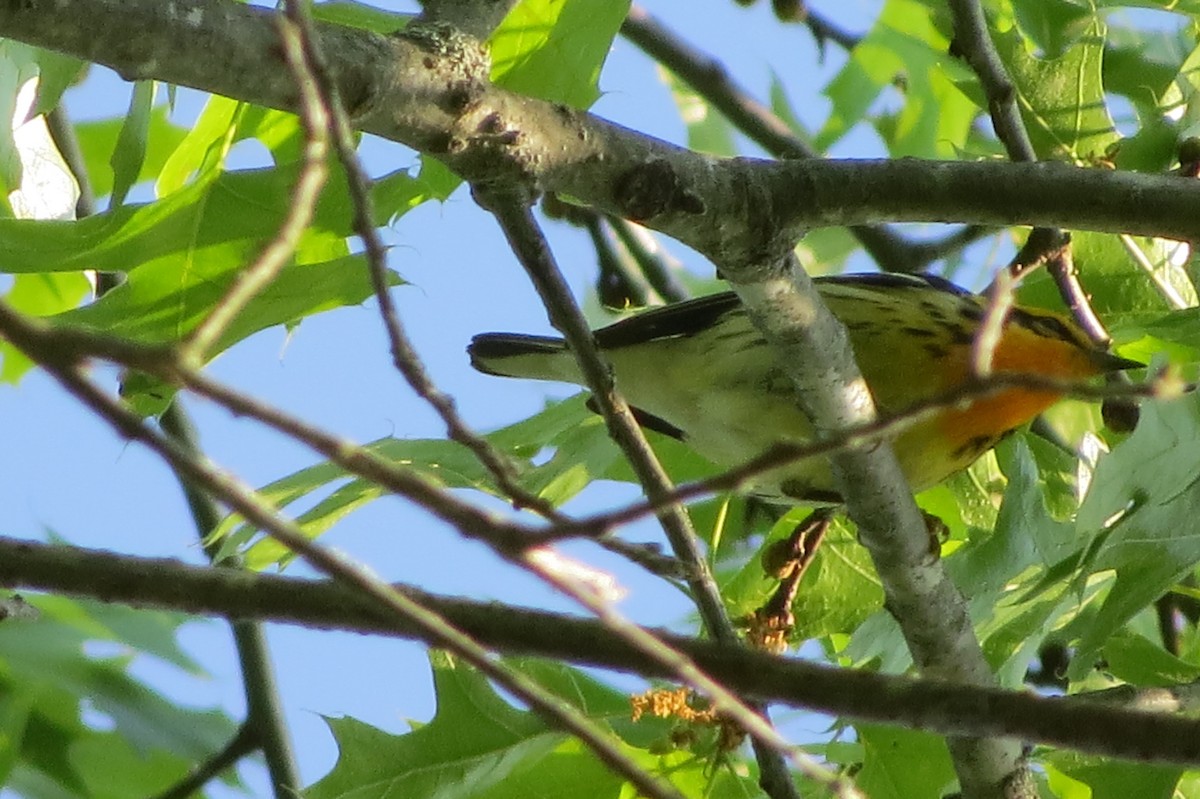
1062, 99
98, 143
900, 764
708, 130
905, 49
554, 49
1143, 497
130, 151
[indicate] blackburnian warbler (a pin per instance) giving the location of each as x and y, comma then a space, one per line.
700, 372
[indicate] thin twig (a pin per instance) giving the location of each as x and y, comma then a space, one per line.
404, 354
1001, 297
512, 212
243, 743
252, 280
383, 598
511, 541
708, 77
1138, 256
974, 44
657, 264
825, 30
621, 281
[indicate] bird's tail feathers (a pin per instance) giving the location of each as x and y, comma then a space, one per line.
517, 355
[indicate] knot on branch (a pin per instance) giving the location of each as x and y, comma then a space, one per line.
448, 49
652, 188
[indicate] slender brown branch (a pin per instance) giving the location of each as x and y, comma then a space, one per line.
709, 78
621, 282
404, 354
243, 743
973, 43
825, 30
1104, 727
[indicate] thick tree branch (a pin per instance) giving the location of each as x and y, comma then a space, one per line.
1099, 727
929, 609
428, 89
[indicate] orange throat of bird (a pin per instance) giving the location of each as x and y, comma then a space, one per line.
1020, 352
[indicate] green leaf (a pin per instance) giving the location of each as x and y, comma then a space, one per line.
708, 131
14, 716
152, 632
1143, 497
554, 49
398, 193
837, 593
1052, 25
202, 151
130, 151
219, 220
98, 143
901, 764
354, 14
20, 63
1140, 65
993, 569
904, 47
1149, 68
112, 769
39, 295
1120, 292
1135, 660
479, 746
567, 426
17, 67
158, 305
476, 741
1178, 328
42, 661
1109, 779
1061, 99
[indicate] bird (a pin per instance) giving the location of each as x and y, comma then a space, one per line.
700, 372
